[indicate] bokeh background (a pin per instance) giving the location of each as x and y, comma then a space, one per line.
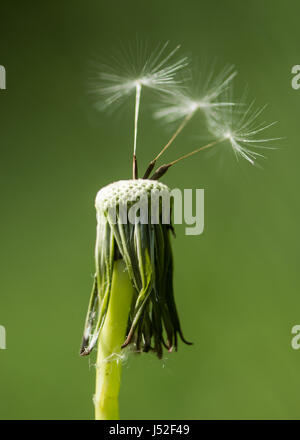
237, 285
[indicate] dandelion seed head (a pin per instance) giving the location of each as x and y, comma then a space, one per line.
122, 75
198, 93
242, 131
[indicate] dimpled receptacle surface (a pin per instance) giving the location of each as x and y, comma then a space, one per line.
125, 191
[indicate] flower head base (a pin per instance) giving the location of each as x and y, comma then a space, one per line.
127, 192
146, 250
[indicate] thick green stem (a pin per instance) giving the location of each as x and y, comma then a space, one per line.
112, 336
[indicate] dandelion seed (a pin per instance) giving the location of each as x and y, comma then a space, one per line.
197, 96
242, 131
155, 71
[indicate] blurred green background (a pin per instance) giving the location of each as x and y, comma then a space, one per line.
237, 285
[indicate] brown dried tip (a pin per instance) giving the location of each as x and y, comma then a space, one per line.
160, 171
149, 169
84, 351
134, 168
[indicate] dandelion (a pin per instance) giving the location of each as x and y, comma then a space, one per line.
132, 301
132, 305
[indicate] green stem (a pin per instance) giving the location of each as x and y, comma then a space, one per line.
112, 336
